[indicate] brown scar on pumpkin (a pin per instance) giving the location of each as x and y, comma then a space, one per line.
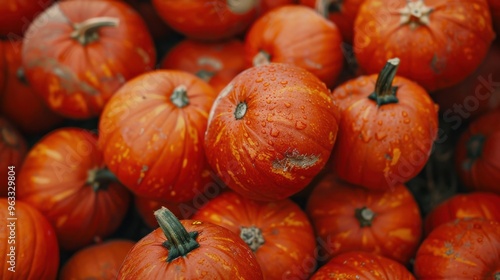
295, 160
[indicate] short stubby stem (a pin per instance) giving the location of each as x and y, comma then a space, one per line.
241, 110
252, 236
261, 58
364, 216
415, 13
100, 178
179, 96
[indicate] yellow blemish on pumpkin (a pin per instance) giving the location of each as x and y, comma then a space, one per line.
284, 248
91, 77
197, 223
106, 70
53, 154
62, 195
403, 234
290, 221
215, 217
184, 163
40, 180
396, 153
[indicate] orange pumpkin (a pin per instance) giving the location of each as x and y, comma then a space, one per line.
13, 149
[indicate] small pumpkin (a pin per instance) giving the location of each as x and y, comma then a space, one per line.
464, 205
13, 149
267, 228
189, 249
281, 36
29, 246
348, 217
477, 154
64, 177
76, 54
271, 131
461, 249
98, 262
439, 42
362, 265
387, 129
17, 15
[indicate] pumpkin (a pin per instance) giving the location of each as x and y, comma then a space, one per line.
215, 62
464, 205
267, 228
99, 261
387, 129
362, 265
189, 249
439, 42
35, 117
477, 94
64, 177
29, 245
461, 249
76, 54
17, 15
271, 131
349, 217
151, 133
207, 20
281, 36
146, 207
477, 154
13, 149
341, 12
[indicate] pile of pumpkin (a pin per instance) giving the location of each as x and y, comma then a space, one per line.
271, 139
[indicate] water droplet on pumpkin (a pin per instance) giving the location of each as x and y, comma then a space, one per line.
270, 142
263, 124
288, 105
248, 122
300, 125
393, 114
480, 240
406, 121
245, 134
259, 80
380, 135
263, 131
379, 122
273, 79
266, 84
284, 83
404, 113
274, 132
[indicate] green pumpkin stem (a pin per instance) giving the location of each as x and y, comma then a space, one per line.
99, 178
497, 276
325, 7
364, 216
205, 75
261, 58
475, 146
179, 242
252, 236
241, 110
86, 32
179, 96
384, 92
21, 76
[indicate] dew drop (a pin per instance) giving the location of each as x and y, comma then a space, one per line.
406, 121
245, 134
480, 240
284, 83
273, 79
263, 124
263, 131
248, 122
379, 122
300, 125
268, 101
404, 113
270, 142
380, 135
266, 84
365, 137
259, 80
274, 132
288, 105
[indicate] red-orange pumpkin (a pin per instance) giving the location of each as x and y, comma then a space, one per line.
348, 217
64, 177
100, 261
282, 36
13, 149
387, 129
439, 42
271, 131
29, 246
17, 15
151, 132
279, 233
77, 53
189, 249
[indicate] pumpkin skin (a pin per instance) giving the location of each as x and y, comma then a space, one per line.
35, 242
35, 117
163, 112
207, 20
267, 227
343, 13
362, 265
210, 252
13, 149
76, 76
349, 217
383, 143
281, 36
219, 62
470, 205
99, 261
461, 249
17, 15
64, 177
477, 154
271, 131
438, 48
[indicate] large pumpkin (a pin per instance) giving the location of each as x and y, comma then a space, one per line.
271, 131
13, 149
64, 177
439, 42
461, 249
189, 249
151, 133
76, 54
477, 154
281, 35
268, 228
387, 129
348, 217
29, 244
17, 15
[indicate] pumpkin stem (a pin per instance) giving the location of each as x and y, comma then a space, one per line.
415, 13
325, 7
205, 75
261, 58
365, 216
252, 236
179, 242
21, 76
86, 32
384, 92
179, 97
497, 276
241, 110
99, 178
9, 137
241, 6
475, 146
